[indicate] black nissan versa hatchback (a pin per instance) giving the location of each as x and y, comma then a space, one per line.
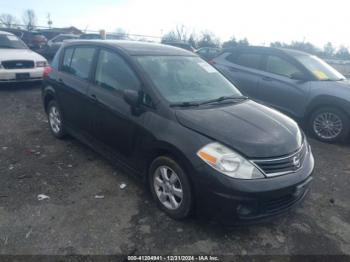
168, 116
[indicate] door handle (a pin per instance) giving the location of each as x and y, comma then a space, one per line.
266, 78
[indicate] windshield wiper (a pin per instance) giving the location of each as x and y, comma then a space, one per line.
184, 104
223, 98
216, 100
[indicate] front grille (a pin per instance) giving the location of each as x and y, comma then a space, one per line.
283, 165
17, 64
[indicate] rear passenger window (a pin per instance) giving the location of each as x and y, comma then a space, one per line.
249, 60
77, 61
112, 72
279, 66
67, 58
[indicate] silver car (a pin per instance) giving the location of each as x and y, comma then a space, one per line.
296, 83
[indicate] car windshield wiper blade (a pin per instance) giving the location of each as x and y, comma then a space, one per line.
223, 98
184, 104
216, 100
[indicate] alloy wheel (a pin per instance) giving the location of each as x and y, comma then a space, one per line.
168, 187
327, 125
55, 119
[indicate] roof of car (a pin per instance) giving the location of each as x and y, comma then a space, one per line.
5, 33
265, 49
137, 47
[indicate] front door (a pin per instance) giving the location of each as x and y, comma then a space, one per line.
278, 89
113, 122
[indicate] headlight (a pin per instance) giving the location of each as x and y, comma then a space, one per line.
228, 162
41, 64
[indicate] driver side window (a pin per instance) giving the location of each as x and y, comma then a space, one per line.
112, 72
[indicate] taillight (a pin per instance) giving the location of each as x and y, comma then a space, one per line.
212, 62
47, 71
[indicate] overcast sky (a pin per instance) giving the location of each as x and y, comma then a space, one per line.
261, 21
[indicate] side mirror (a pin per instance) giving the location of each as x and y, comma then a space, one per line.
299, 76
131, 97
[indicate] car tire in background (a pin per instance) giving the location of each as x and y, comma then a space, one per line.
55, 119
170, 187
329, 124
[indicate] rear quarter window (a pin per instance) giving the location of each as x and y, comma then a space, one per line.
78, 61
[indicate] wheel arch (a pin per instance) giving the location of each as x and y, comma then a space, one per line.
162, 148
49, 94
327, 101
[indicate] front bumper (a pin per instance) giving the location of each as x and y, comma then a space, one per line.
235, 201
9, 75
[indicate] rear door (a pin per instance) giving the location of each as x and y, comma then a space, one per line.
277, 87
114, 124
74, 79
243, 69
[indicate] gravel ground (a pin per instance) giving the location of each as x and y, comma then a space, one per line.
126, 221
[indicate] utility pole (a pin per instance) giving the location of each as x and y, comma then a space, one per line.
49, 21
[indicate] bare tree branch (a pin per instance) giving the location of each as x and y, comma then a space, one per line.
8, 20
29, 19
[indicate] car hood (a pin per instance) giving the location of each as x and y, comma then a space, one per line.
19, 54
252, 129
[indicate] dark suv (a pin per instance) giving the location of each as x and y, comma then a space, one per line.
296, 83
172, 119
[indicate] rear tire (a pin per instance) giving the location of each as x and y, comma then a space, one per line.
329, 124
55, 120
170, 187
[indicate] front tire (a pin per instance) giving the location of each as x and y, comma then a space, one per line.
329, 124
170, 188
55, 119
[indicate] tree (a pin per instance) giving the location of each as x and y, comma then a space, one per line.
277, 44
192, 40
169, 37
208, 39
178, 34
29, 19
343, 53
328, 50
230, 43
8, 20
243, 42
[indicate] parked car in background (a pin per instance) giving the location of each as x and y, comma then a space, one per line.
90, 36
168, 116
17, 62
55, 43
296, 83
179, 44
33, 39
208, 53
98, 36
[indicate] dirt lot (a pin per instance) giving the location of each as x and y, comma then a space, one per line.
126, 221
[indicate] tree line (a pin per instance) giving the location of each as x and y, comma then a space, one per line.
208, 39
204, 39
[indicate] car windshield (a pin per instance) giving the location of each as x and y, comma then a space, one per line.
320, 69
11, 42
182, 79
